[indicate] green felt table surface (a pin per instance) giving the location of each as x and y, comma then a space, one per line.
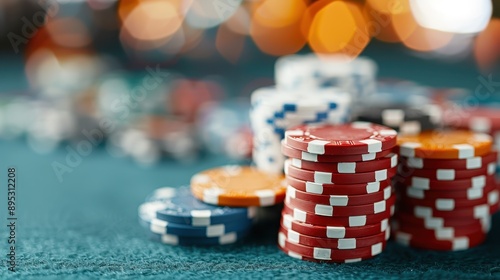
86, 227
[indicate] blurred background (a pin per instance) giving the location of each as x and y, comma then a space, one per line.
153, 79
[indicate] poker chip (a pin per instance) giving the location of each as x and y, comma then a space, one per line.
442, 174
387, 162
340, 200
348, 221
340, 244
178, 205
338, 178
446, 189
430, 243
445, 145
239, 186
480, 119
320, 253
468, 163
298, 256
163, 227
462, 184
452, 204
352, 138
171, 239
404, 119
302, 155
330, 211
337, 189
472, 193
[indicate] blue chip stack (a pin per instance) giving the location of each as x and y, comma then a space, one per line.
174, 216
274, 110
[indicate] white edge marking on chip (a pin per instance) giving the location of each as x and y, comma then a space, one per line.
290, 192
281, 239
299, 215
380, 175
346, 167
309, 157
493, 197
422, 212
460, 243
215, 230
379, 207
266, 197
415, 193
474, 193
317, 147
158, 226
394, 160
403, 238
287, 221
408, 149
420, 182
376, 249
322, 177
323, 210
445, 204
228, 238
293, 236
200, 217
387, 192
297, 162
372, 187
479, 181
473, 163
346, 243
444, 233
481, 211
372, 145
415, 162
492, 167
335, 232
170, 239
322, 253
353, 260
356, 221
445, 174
368, 157
314, 188
339, 200
464, 150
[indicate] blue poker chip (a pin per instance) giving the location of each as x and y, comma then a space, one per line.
171, 239
179, 206
163, 227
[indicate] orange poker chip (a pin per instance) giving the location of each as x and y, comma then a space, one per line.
455, 144
239, 186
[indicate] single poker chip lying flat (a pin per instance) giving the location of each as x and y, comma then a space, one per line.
163, 227
456, 144
471, 193
334, 211
387, 162
338, 178
340, 200
442, 174
345, 139
337, 189
476, 212
333, 231
178, 205
347, 221
331, 254
171, 239
242, 186
437, 223
303, 155
339, 244
298, 256
462, 184
444, 233
468, 163
451, 204
430, 243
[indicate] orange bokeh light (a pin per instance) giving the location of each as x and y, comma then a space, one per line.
276, 29
339, 28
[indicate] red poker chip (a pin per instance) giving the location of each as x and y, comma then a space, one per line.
468, 163
334, 211
331, 254
442, 174
463, 184
472, 193
477, 212
338, 244
343, 139
389, 161
340, 200
298, 154
337, 189
347, 221
429, 242
338, 178
288, 222
451, 204
432, 222
440, 233
298, 256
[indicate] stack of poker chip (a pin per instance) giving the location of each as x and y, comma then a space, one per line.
339, 197
404, 119
446, 188
309, 71
174, 216
273, 111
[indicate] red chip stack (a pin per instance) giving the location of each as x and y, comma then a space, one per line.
339, 197
446, 189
